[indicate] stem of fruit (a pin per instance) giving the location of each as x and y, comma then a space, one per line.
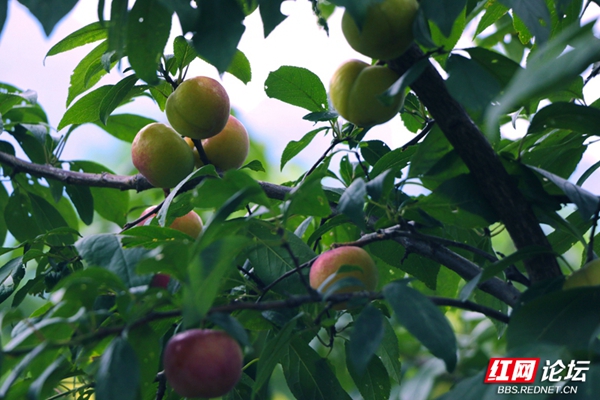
201, 152
590, 248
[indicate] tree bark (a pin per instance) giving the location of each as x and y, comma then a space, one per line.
496, 185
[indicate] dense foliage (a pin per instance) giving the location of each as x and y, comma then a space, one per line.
99, 327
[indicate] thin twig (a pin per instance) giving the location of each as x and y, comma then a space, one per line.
428, 126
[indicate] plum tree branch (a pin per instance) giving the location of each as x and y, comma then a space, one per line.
428, 247
290, 302
422, 246
496, 185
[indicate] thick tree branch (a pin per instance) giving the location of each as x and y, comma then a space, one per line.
290, 302
496, 185
421, 246
106, 180
428, 247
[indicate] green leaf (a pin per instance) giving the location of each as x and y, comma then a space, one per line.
309, 198
568, 116
88, 72
232, 326
86, 109
254, 165
373, 150
308, 375
117, 33
394, 160
218, 32
49, 374
49, 12
118, 375
82, 199
270, 260
458, 201
240, 67
111, 204
125, 126
148, 28
500, 67
586, 202
352, 203
407, 79
184, 52
104, 250
423, 320
3, 13
471, 84
297, 86
519, 255
374, 382
206, 273
443, 12
19, 368
270, 14
4, 197
293, 148
492, 14
146, 342
272, 352
115, 96
88, 34
365, 339
535, 15
389, 352
548, 69
20, 218
544, 319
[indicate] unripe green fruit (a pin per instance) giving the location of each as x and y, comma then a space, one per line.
354, 90
202, 363
190, 223
386, 31
198, 108
331, 261
588, 275
226, 150
161, 155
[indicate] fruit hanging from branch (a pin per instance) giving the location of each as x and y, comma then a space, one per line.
588, 275
161, 155
344, 262
386, 32
355, 89
202, 363
226, 150
198, 108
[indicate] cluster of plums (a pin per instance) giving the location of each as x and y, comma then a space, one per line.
199, 110
385, 34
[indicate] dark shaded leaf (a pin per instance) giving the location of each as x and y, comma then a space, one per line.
118, 375
586, 202
308, 375
352, 203
148, 28
423, 320
443, 12
544, 319
115, 96
49, 12
218, 32
270, 13
568, 116
365, 338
